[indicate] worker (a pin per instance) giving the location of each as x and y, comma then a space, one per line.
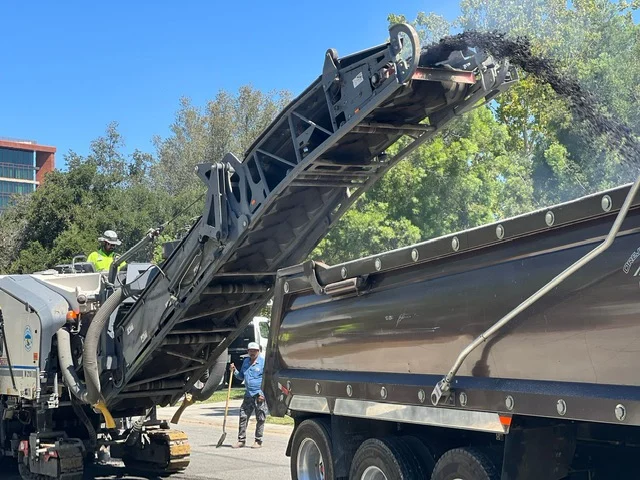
251, 372
103, 257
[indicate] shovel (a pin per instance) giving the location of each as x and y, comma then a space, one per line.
226, 410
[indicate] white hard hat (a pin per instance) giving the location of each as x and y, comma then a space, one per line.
253, 346
110, 237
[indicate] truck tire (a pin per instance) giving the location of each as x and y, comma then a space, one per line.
423, 454
386, 459
311, 456
465, 464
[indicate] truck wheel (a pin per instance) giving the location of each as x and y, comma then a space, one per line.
465, 464
386, 459
311, 457
422, 453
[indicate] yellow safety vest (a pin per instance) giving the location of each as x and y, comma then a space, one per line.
102, 261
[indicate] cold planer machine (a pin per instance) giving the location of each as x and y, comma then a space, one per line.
84, 353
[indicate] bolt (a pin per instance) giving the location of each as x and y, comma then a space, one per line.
455, 244
606, 203
621, 412
549, 218
383, 392
463, 399
244, 223
561, 406
343, 272
286, 287
509, 402
422, 396
378, 264
349, 390
415, 255
318, 388
500, 232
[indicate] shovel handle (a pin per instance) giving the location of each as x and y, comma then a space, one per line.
226, 407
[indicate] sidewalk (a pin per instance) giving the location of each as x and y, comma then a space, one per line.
213, 414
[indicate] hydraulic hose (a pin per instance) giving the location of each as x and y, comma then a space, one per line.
65, 360
90, 354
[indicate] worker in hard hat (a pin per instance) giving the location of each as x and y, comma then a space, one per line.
251, 372
103, 257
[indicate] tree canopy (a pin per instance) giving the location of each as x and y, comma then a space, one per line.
522, 151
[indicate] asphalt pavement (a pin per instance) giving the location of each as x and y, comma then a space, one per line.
203, 425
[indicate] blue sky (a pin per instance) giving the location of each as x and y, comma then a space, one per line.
70, 68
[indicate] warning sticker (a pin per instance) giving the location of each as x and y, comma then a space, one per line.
358, 80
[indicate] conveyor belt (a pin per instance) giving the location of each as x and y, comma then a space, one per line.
272, 208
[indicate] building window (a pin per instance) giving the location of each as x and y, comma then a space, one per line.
17, 164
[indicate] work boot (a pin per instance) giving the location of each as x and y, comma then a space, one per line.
257, 444
239, 444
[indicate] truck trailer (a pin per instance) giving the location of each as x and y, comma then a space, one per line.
87, 357
508, 351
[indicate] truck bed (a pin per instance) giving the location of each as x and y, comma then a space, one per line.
410, 312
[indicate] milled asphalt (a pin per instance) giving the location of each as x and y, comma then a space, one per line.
203, 425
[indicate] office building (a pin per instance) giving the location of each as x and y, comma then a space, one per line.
23, 166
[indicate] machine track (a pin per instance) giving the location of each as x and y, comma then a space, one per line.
161, 452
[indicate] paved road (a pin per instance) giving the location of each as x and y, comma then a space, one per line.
204, 428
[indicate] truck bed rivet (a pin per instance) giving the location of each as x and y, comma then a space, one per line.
415, 255
500, 232
422, 396
383, 392
343, 272
621, 412
561, 406
463, 399
318, 388
378, 264
549, 218
509, 402
286, 287
455, 244
606, 203
349, 390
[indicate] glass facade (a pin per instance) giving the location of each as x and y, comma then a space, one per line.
16, 165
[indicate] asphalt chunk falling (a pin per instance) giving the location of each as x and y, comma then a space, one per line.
584, 106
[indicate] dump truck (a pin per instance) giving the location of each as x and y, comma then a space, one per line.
87, 357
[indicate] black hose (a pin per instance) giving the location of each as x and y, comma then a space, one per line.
212, 383
92, 342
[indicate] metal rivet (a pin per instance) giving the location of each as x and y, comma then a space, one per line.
422, 396
509, 402
286, 287
343, 272
606, 203
549, 218
463, 399
500, 232
561, 406
383, 392
378, 264
318, 388
349, 390
288, 385
621, 412
455, 244
415, 255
